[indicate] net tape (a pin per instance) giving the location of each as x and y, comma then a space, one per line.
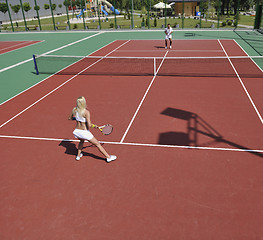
149, 66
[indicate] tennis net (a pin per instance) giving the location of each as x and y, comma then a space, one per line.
150, 66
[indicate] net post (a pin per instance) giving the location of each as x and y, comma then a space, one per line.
154, 66
35, 62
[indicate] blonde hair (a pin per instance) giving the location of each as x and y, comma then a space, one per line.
81, 106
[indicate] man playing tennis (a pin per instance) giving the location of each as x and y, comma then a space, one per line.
83, 123
168, 35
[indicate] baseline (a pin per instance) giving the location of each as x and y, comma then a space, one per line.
258, 151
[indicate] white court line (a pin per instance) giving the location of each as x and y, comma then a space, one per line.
31, 59
138, 144
60, 86
138, 108
248, 55
171, 50
25, 42
243, 85
49, 77
22, 47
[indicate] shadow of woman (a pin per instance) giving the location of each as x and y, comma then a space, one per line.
71, 149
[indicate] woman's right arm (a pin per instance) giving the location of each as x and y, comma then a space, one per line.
90, 125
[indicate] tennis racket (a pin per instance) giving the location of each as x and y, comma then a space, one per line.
106, 129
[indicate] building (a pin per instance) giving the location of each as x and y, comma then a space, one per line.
191, 7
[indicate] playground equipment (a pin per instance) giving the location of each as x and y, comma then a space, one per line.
81, 13
105, 4
95, 6
100, 5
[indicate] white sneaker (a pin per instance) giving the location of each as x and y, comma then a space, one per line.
165, 47
111, 158
170, 46
80, 156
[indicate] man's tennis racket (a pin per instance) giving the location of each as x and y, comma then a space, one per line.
106, 129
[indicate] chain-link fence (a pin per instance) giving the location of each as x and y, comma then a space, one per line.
38, 15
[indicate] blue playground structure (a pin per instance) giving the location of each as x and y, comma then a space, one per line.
81, 13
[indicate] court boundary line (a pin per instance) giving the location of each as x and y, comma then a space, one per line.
36, 42
46, 95
141, 102
172, 50
49, 77
138, 144
248, 55
243, 85
31, 59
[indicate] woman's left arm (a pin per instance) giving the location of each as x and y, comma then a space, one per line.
71, 116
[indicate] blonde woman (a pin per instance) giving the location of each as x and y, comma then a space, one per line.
82, 117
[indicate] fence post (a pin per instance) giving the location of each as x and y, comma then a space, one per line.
98, 12
83, 14
148, 13
165, 13
132, 20
10, 16
258, 17
218, 12
23, 14
201, 5
38, 16
115, 19
68, 17
237, 13
54, 25
183, 15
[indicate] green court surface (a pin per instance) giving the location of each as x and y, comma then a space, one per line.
17, 68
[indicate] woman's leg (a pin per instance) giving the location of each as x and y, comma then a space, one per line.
80, 147
98, 145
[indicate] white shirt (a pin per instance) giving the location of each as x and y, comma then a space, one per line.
80, 118
168, 32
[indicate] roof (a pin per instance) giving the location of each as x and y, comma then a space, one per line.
170, 1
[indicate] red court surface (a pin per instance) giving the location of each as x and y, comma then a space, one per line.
8, 46
189, 151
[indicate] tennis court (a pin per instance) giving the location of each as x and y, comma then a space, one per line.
187, 134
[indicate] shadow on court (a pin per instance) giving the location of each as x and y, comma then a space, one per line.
159, 47
196, 126
71, 149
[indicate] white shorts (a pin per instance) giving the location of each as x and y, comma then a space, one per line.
83, 134
168, 37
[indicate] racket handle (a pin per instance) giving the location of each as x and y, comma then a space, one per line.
93, 125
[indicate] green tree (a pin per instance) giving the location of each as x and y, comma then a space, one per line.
26, 6
3, 7
15, 8
54, 6
36, 8
60, 5
46, 6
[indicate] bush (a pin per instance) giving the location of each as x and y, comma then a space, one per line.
75, 26
229, 23
155, 22
235, 23
223, 24
147, 22
111, 25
